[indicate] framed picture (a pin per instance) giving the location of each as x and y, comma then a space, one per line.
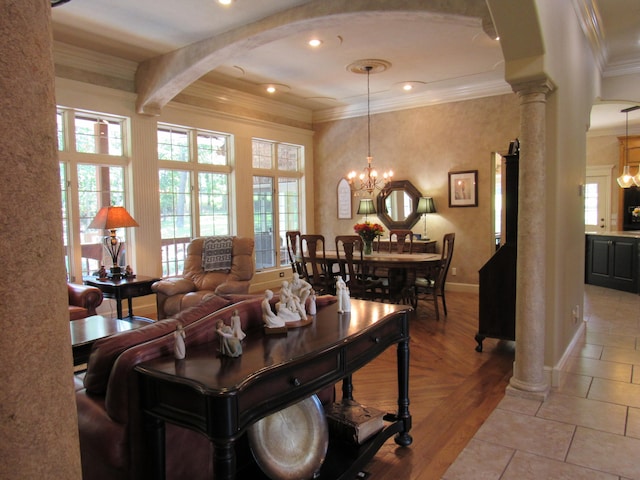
463, 189
344, 199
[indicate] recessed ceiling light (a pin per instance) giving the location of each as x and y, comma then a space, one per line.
315, 42
275, 87
407, 87
225, 2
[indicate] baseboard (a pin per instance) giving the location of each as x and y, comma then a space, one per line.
462, 287
560, 366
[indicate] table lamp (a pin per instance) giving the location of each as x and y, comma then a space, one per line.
366, 206
112, 218
425, 205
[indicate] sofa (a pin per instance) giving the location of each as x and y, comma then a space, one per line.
83, 300
107, 396
174, 294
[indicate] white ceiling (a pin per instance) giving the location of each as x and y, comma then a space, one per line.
445, 56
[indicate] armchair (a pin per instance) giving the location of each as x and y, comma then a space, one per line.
83, 300
174, 294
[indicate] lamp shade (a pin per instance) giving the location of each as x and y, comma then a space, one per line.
365, 207
110, 218
426, 205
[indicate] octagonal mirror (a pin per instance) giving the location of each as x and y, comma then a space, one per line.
396, 204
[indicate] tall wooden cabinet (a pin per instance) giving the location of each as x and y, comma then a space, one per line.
497, 289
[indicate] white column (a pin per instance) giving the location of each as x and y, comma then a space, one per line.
528, 371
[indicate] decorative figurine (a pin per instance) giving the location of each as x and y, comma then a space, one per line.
300, 288
102, 273
312, 309
179, 348
289, 307
236, 326
270, 319
342, 292
229, 344
128, 271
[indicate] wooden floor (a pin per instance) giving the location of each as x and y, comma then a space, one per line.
452, 389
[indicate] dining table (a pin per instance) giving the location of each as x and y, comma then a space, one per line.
401, 269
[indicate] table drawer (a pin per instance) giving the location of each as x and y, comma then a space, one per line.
137, 290
373, 343
278, 384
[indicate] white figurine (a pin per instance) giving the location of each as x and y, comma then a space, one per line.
342, 292
270, 319
289, 307
312, 309
179, 348
300, 288
236, 326
229, 344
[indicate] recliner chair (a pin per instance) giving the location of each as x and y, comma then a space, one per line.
174, 294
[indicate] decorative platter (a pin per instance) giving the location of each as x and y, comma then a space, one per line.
291, 444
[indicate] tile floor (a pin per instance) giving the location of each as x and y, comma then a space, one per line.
589, 426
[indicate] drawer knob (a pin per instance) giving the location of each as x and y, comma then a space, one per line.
376, 339
295, 382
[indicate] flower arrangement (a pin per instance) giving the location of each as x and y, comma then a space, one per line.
368, 231
636, 212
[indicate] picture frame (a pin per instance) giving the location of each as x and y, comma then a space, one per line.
463, 188
345, 210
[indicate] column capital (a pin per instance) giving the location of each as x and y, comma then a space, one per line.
538, 86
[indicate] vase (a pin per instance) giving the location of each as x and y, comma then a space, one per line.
367, 247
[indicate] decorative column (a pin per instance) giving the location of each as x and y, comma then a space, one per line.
38, 419
528, 371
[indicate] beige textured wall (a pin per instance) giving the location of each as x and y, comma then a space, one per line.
603, 151
38, 423
422, 145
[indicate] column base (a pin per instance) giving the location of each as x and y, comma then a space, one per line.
517, 388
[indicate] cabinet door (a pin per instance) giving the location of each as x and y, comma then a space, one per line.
612, 262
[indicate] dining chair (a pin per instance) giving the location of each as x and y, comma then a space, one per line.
293, 251
402, 238
354, 269
432, 282
316, 268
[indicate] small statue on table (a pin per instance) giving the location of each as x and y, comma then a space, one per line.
289, 307
236, 326
272, 323
179, 348
128, 272
343, 294
300, 288
312, 309
102, 273
229, 344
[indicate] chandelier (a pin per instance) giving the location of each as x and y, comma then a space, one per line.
627, 180
368, 181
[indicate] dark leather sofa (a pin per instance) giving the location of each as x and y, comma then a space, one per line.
107, 396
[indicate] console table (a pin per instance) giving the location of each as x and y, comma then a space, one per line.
120, 289
221, 397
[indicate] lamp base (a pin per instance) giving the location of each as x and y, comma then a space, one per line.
115, 273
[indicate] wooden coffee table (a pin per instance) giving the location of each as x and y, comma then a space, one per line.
122, 288
85, 331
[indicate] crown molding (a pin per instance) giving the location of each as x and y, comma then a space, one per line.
591, 24
427, 98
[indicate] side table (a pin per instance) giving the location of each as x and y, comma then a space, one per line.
129, 287
85, 331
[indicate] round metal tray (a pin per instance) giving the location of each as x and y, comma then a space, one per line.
291, 444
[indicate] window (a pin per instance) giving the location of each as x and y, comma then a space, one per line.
194, 190
275, 210
98, 134
89, 180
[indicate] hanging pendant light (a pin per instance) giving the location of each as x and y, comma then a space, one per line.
368, 180
627, 180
